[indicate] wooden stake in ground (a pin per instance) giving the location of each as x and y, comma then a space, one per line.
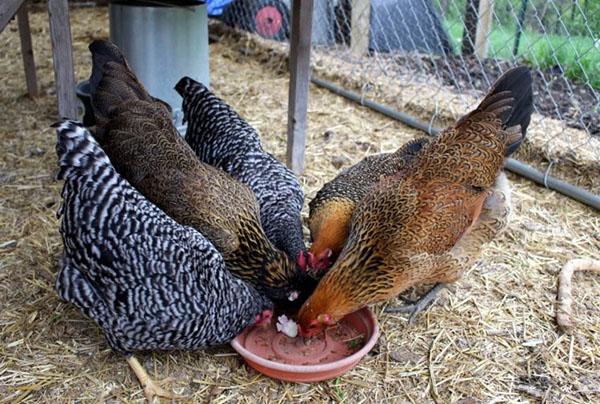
563, 309
360, 26
484, 28
299, 77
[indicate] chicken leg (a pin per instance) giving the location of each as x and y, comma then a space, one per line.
151, 388
418, 306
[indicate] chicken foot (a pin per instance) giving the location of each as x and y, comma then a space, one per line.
418, 306
151, 388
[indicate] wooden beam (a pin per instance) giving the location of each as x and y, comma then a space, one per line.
484, 28
8, 9
62, 56
360, 27
299, 79
27, 50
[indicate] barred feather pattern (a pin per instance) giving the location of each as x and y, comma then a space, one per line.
221, 138
148, 282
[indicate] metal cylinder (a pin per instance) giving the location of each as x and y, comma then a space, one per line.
162, 44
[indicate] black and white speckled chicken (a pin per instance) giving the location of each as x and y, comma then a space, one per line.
147, 281
221, 138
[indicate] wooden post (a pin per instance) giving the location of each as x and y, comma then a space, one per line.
27, 50
62, 56
360, 25
299, 79
484, 27
8, 9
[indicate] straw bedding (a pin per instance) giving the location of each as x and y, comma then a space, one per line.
490, 338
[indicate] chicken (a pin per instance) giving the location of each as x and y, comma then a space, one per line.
332, 207
221, 138
138, 135
429, 223
147, 281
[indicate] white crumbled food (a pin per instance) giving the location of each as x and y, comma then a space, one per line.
287, 326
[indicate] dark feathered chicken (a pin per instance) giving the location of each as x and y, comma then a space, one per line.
138, 135
429, 223
221, 138
149, 282
332, 207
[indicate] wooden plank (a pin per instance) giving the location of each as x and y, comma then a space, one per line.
27, 50
8, 9
360, 27
484, 27
62, 56
299, 80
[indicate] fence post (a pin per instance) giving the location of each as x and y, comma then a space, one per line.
27, 50
520, 22
484, 27
360, 25
62, 56
299, 80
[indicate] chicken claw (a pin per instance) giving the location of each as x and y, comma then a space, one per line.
152, 388
418, 306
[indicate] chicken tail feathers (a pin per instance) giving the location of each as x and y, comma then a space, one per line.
76, 149
187, 86
190, 90
113, 82
102, 53
511, 99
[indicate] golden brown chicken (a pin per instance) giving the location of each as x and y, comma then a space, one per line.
332, 207
429, 224
138, 135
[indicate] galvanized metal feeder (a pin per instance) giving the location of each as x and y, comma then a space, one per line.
162, 41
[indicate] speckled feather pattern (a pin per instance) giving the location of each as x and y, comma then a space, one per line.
223, 139
332, 207
354, 182
149, 282
428, 224
144, 146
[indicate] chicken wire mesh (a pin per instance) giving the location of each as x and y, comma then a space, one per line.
448, 53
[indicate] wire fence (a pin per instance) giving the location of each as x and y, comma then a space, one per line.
444, 53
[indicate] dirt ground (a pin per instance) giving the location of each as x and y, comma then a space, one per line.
490, 338
555, 95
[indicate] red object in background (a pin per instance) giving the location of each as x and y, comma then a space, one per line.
268, 21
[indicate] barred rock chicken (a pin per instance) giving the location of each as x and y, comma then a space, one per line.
429, 223
149, 282
332, 207
138, 135
221, 138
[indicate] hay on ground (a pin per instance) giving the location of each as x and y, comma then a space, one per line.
491, 337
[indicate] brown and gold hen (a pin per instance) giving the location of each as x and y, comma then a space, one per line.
332, 207
428, 224
137, 133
